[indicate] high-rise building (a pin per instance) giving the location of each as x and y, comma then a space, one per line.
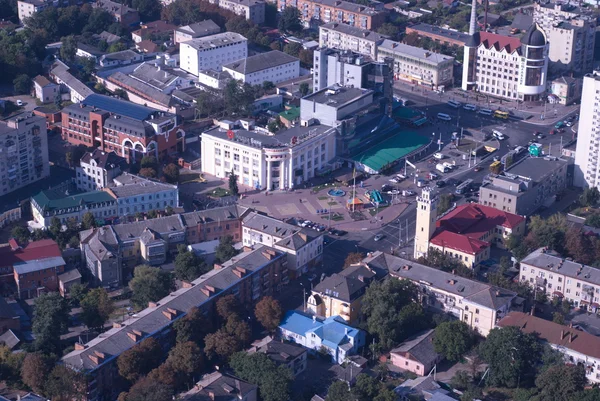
23, 152
426, 218
587, 167
572, 36
505, 66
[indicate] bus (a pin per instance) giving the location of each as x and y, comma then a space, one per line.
444, 116
454, 103
501, 114
463, 187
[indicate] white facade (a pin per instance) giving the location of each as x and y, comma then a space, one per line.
252, 10
587, 167
345, 37
212, 52
273, 66
91, 176
260, 163
27, 8
138, 195
45, 91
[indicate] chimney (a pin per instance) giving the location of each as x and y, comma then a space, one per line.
497, 293
152, 304
217, 266
80, 347
314, 319
117, 325
570, 337
247, 249
267, 255
170, 313
532, 312
186, 284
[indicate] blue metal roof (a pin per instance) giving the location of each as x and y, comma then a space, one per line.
298, 323
119, 106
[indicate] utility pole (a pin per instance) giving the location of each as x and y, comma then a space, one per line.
407, 231
399, 233
440, 142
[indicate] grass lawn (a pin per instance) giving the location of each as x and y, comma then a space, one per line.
219, 192
332, 203
466, 145
373, 211
323, 197
334, 217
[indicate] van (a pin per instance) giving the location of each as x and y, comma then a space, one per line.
444, 116
470, 107
454, 103
441, 168
519, 150
499, 135
485, 112
438, 156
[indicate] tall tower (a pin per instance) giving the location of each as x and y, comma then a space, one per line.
469, 78
587, 166
426, 219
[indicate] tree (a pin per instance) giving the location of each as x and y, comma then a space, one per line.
560, 382
55, 227
228, 306
22, 84
510, 354
368, 388
338, 391
558, 317
273, 381
353, 258
238, 98
11, 365
88, 221
578, 245
593, 220
149, 390
306, 57
147, 172
268, 85
587, 395
268, 312
390, 308
440, 260
471, 393
192, 327
77, 292
461, 380
589, 197
390, 30
97, 307
149, 284
303, 88
50, 320
273, 126
68, 49
225, 249
565, 307
220, 344
233, 185
445, 203
188, 266
292, 48
171, 173
140, 359
148, 162
35, 370
289, 20
65, 384
186, 358
21, 234
453, 339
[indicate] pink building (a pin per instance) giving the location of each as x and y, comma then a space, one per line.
416, 354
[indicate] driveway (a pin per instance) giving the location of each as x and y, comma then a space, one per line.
28, 102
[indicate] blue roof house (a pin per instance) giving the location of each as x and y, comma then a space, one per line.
333, 334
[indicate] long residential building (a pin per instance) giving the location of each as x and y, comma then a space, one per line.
265, 161
545, 270
303, 246
23, 152
346, 37
438, 34
578, 347
416, 65
571, 34
340, 11
251, 275
252, 10
113, 125
195, 31
587, 167
137, 194
274, 66
212, 52
477, 304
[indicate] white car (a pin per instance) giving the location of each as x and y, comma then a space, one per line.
306, 223
393, 192
19, 102
438, 156
401, 176
395, 180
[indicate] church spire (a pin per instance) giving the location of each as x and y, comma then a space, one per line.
473, 22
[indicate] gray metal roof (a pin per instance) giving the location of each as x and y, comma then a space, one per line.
261, 61
420, 348
552, 262
198, 29
278, 351
132, 185
363, 34
121, 55
160, 225
476, 292
216, 40
141, 88
61, 71
217, 214
426, 56
536, 168
37, 265
70, 275
152, 320
349, 284
338, 99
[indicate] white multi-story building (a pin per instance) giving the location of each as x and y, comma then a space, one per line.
578, 347
137, 194
212, 52
45, 91
416, 65
303, 246
273, 66
252, 10
265, 161
97, 170
331, 105
547, 271
477, 304
23, 152
195, 30
505, 66
26, 8
345, 37
587, 167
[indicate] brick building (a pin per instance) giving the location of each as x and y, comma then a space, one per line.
357, 15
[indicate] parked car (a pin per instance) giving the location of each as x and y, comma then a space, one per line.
440, 183
378, 237
438, 156
478, 169
19, 102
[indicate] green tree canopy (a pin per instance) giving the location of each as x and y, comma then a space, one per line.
560, 382
510, 354
273, 381
233, 185
353, 258
97, 308
453, 340
36, 368
268, 312
171, 173
338, 391
289, 20
88, 221
192, 327
188, 266
140, 359
21, 234
589, 197
225, 249
147, 389
50, 320
149, 284
65, 384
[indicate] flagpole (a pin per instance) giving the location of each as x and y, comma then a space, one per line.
353, 188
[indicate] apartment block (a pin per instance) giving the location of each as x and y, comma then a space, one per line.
252, 10
213, 224
526, 185
572, 36
274, 66
345, 12
59, 203
587, 167
360, 40
477, 304
24, 157
136, 194
97, 169
195, 31
113, 125
212, 52
124, 15
26, 8
250, 276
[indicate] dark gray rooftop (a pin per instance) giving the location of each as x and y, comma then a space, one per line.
152, 320
210, 215
162, 225
349, 284
551, 261
105, 160
480, 293
199, 29
363, 34
447, 33
133, 185
338, 96
420, 348
217, 386
536, 168
261, 61
141, 88
278, 351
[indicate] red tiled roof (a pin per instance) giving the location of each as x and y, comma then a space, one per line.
500, 42
554, 333
474, 220
42, 249
458, 242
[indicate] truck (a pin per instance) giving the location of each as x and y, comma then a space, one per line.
441, 168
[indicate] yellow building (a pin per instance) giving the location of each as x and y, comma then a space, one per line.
340, 294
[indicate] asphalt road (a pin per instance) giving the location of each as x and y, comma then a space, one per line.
518, 133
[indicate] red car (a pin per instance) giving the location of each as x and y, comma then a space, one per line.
478, 169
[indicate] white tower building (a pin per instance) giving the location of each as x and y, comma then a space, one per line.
587, 167
426, 219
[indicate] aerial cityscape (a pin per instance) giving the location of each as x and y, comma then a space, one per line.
299, 200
